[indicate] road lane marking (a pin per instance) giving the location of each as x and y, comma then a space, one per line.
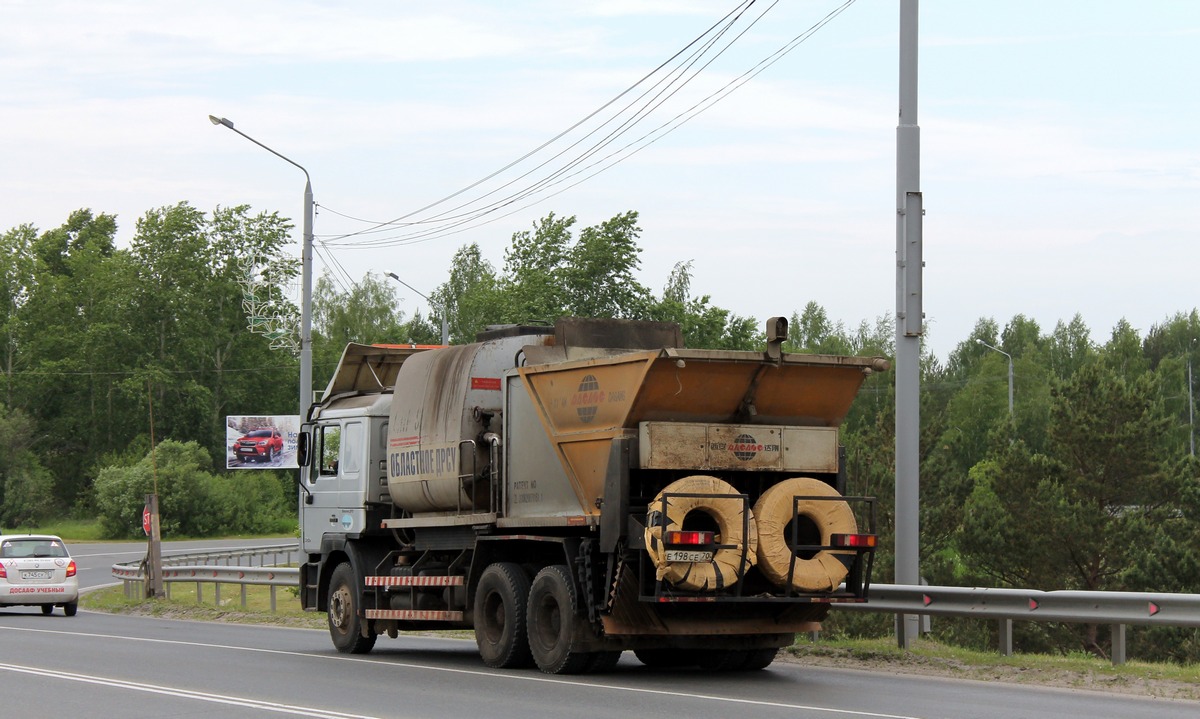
483, 674
184, 693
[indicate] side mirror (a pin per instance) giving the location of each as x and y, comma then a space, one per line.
303, 445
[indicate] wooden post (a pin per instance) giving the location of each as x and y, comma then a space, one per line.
154, 581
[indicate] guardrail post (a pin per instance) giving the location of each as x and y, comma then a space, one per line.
198, 600
218, 593
272, 599
243, 595
1006, 637
1118, 644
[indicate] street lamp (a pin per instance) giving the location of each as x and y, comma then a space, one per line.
445, 324
306, 274
1010, 373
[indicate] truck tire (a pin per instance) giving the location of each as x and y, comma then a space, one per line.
826, 569
500, 605
603, 662
760, 659
738, 534
345, 622
664, 658
553, 618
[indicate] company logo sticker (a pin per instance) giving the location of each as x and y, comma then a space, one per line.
745, 447
587, 400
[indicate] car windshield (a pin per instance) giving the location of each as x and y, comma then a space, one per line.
260, 433
18, 548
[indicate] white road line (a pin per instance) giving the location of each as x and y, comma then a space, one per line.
484, 674
183, 693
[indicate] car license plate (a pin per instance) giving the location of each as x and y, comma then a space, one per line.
688, 555
35, 575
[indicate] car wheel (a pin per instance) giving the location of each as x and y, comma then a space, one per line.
70, 608
47, 609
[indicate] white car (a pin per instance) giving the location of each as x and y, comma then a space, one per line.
37, 570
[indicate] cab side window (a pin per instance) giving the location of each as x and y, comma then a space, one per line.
330, 442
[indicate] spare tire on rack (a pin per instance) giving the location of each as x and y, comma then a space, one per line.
774, 510
735, 531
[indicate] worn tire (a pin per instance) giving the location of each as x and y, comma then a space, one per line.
501, 599
773, 511
722, 502
344, 616
70, 608
553, 618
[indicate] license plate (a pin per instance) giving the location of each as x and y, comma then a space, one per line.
35, 575
688, 555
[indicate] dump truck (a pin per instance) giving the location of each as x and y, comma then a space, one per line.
570, 492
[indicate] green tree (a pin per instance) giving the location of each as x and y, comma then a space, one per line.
26, 488
1068, 518
471, 295
601, 267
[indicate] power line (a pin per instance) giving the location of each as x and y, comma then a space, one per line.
677, 78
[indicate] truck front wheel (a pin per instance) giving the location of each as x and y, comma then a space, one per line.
500, 601
345, 624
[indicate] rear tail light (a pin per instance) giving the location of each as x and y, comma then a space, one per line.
3, 571
857, 541
71, 568
679, 536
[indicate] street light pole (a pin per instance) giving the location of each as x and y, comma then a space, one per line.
1010, 373
445, 323
306, 260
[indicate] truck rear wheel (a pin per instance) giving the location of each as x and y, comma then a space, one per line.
500, 602
664, 658
345, 624
552, 621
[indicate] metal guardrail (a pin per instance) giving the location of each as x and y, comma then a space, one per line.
1007, 605
206, 568
1118, 609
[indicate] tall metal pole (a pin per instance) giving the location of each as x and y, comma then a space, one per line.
909, 319
1191, 410
445, 323
306, 260
1010, 373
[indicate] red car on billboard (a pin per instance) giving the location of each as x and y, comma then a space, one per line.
259, 445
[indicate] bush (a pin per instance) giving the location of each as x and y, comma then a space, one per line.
192, 501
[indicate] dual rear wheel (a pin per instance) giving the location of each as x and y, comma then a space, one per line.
519, 622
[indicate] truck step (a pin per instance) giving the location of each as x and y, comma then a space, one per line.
425, 581
414, 614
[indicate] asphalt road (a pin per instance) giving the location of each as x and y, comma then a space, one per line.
98, 665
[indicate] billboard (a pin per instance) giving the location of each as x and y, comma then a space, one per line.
261, 442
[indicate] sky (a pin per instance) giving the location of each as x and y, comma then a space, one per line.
1060, 142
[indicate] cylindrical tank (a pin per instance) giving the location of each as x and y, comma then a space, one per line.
443, 401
